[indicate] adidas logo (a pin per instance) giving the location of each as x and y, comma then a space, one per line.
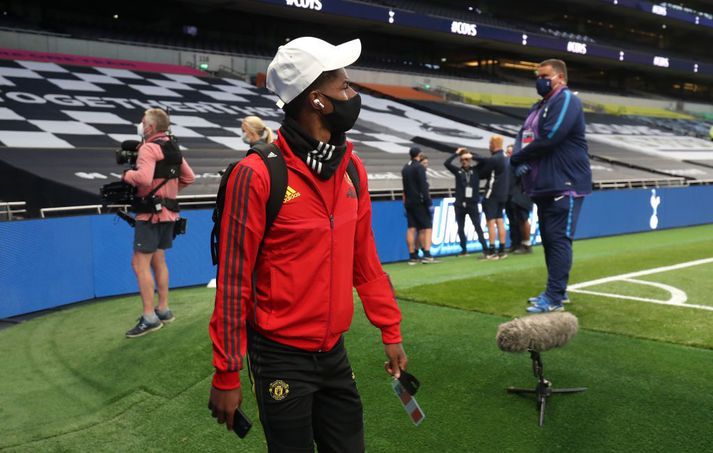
290, 194
271, 155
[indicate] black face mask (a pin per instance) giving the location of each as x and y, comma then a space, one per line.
344, 115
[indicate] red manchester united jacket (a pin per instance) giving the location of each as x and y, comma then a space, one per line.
294, 285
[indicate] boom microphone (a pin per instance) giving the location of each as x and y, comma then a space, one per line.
130, 145
537, 332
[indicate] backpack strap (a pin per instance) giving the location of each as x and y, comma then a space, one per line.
354, 175
277, 171
218, 211
277, 168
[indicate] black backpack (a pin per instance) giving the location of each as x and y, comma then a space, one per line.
277, 169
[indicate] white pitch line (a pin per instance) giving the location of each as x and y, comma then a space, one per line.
640, 273
642, 299
678, 297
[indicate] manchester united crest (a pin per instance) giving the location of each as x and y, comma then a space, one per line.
279, 389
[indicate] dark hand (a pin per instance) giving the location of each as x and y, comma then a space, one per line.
222, 404
521, 170
397, 359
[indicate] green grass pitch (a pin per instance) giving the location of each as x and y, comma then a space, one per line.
70, 381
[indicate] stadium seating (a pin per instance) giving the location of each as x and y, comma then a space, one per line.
625, 151
67, 146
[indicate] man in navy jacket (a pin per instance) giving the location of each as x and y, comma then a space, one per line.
551, 157
417, 201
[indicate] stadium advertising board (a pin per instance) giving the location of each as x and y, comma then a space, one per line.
668, 10
53, 262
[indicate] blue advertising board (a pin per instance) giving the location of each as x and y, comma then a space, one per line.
53, 262
604, 213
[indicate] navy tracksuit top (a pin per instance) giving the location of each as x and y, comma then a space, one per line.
558, 154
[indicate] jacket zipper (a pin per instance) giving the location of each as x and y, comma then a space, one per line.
331, 253
337, 186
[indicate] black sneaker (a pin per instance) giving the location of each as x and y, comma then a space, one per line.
143, 327
166, 316
523, 250
502, 255
413, 261
429, 260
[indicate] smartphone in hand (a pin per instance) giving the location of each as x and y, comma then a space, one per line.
241, 423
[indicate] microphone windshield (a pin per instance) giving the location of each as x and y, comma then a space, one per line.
537, 332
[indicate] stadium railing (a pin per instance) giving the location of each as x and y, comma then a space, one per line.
12, 210
192, 201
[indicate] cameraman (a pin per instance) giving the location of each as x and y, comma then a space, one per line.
160, 173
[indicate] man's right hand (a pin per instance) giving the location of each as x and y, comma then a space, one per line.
521, 170
222, 404
460, 151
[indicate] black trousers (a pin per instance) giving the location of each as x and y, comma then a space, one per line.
517, 215
470, 209
306, 398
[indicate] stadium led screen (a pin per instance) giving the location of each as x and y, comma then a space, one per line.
477, 30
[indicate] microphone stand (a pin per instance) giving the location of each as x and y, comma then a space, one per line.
544, 389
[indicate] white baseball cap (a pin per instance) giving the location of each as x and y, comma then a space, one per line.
298, 63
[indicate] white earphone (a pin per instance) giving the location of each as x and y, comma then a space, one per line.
318, 103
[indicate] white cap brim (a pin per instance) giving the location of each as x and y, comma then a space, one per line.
345, 54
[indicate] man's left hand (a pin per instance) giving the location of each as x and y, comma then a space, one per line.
397, 359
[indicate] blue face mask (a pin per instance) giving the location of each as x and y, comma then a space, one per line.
543, 86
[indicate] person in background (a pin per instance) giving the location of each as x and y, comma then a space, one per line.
417, 201
518, 209
255, 131
431, 209
467, 196
161, 171
495, 170
552, 159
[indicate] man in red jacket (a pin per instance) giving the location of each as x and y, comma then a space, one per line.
284, 297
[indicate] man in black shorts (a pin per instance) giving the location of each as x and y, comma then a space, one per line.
518, 209
495, 171
161, 171
417, 202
